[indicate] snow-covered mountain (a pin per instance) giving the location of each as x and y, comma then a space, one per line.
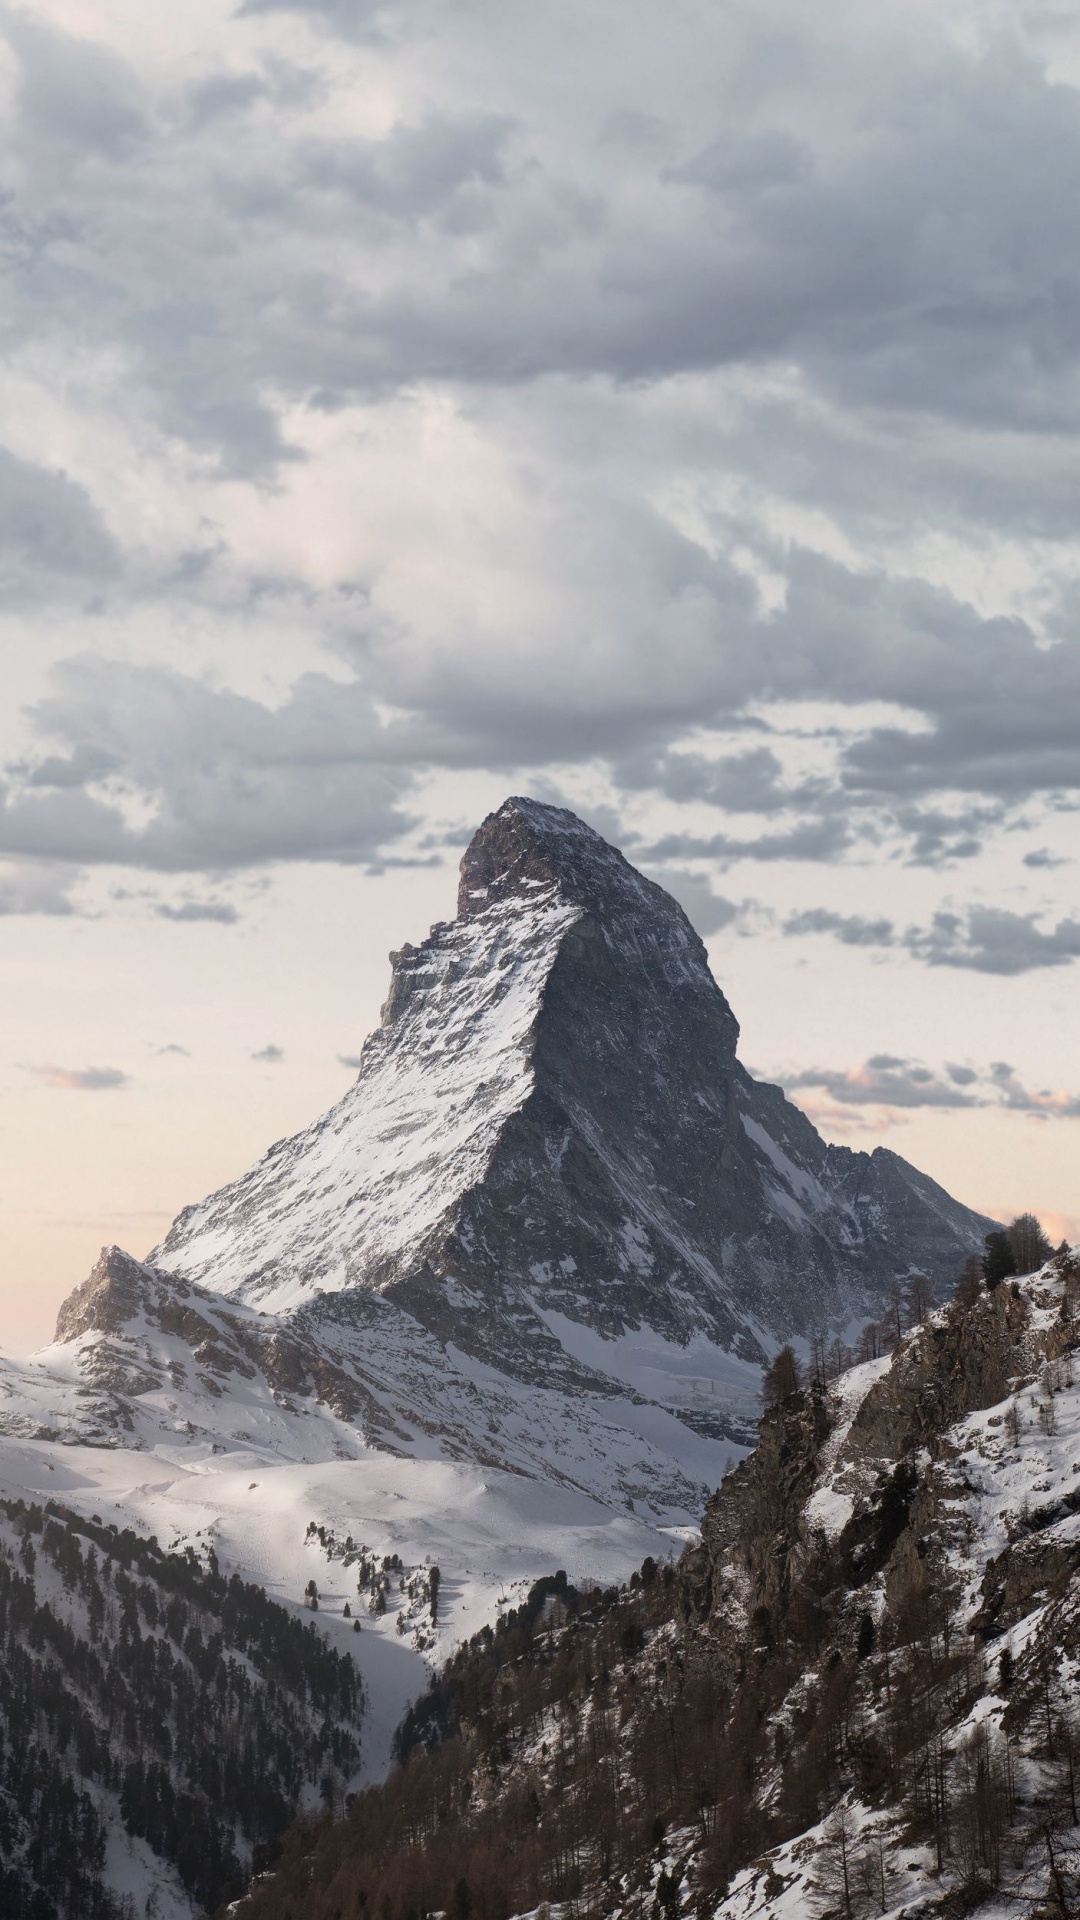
551, 1144
504, 1308
554, 1228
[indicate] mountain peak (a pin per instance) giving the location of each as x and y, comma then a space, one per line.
527, 846
552, 1162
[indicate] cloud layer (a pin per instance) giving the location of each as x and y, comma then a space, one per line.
693, 428
984, 939
892, 1085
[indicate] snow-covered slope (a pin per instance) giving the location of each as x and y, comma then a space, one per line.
351, 1199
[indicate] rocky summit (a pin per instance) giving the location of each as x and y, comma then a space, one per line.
551, 1145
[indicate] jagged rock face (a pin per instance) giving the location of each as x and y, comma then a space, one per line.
112, 1293
550, 1131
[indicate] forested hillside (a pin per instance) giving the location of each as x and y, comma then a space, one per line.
857, 1694
159, 1724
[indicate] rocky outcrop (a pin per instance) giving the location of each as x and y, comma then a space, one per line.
959, 1362
752, 1539
115, 1290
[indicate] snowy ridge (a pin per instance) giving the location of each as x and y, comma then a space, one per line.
341, 1202
195, 1374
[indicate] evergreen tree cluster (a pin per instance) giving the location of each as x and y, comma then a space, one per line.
377, 1581
1018, 1248
144, 1686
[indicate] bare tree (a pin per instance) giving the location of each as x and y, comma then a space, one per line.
781, 1379
970, 1284
871, 1342
836, 1880
839, 1358
872, 1873
1030, 1246
918, 1298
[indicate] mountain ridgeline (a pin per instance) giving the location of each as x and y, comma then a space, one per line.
553, 1228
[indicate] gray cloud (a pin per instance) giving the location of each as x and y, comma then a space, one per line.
212, 910
731, 164
355, 19
791, 226
1044, 1104
807, 840
984, 939
886, 1080
748, 782
850, 928
29, 887
80, 1079
993, 940
893, 1082
270, 1055
228, 781
74, 99
352, 1060
709, 280
53, 541
417, 170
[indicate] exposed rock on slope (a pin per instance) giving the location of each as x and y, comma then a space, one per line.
551, 1130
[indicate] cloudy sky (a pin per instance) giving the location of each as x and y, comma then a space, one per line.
671, 410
